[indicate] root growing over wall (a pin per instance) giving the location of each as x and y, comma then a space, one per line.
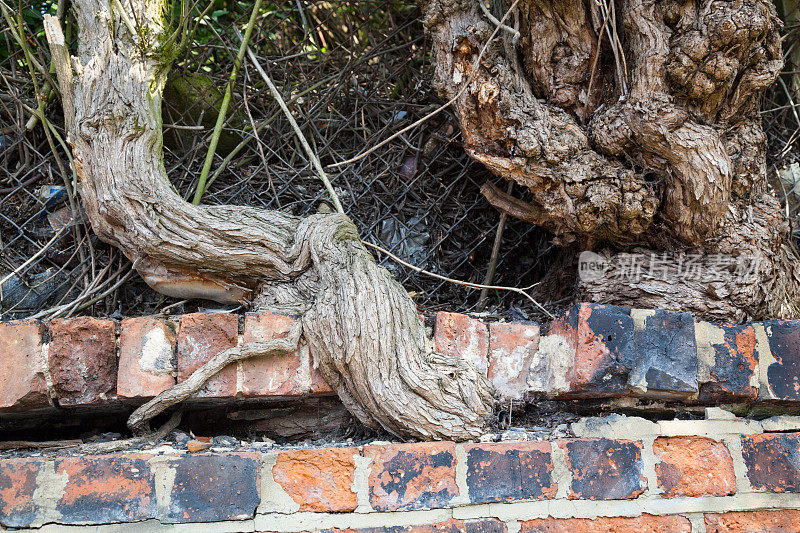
362, 328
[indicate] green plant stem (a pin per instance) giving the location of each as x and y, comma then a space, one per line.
201, 182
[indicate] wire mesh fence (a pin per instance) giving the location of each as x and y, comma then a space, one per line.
353, 72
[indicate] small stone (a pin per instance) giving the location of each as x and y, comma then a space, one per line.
195, 446
224, 440
716, 413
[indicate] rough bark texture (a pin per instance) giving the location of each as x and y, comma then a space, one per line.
635, 126
361, 326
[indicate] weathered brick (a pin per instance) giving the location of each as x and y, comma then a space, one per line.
214, 487
727, 362
147, 357
693, 466
604, 469
107, 488
783, 521
22, 382
641, 524
319, 480
773, 461
83, 360
482, 525
461, 336
605, 351
666, 354
281, 375
779, 360
509, 471
200, 337
412, 476
17, 485
512, 347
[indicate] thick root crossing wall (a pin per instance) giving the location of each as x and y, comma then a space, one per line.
614, 473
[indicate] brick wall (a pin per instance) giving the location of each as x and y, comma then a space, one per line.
619, 474
591, 352
611, 474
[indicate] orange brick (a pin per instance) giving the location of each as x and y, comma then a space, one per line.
147, 360
640, 524
22, 382
274, 375
83, 360
18, 507
319, 480
200, 337
693, 466
412, 476
106, 488
512, 347
784, 521
461, 336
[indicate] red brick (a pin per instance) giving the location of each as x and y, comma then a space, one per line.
641, 524
17, 485
783, 521
281, 375
504, 472
412, 476
780, 368
727, 363
106, 488
605, 351
605, 469
512, 347
319, 480
83, 360
147, 360
693, 466
200, 337
212, 487
771, 461
22, 382
481, 525
461, 336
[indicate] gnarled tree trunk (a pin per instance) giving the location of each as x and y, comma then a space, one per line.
635, 125
363, 331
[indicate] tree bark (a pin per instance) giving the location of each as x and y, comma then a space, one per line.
635, 126
362, 328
